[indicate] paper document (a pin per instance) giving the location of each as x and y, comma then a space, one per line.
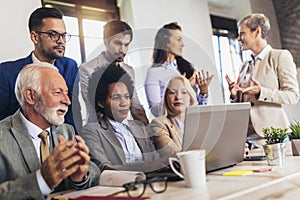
119, 178
110, 182
93, 191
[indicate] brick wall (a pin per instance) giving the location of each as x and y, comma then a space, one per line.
288, 18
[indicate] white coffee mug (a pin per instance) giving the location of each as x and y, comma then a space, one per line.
192, 166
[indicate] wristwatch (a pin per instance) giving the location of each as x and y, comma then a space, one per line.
203, 96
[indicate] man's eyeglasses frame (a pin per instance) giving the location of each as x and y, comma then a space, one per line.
55, 36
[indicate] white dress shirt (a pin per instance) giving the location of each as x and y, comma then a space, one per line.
133, 153
34, 131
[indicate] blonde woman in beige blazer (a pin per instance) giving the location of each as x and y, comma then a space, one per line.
167, 130
273, 80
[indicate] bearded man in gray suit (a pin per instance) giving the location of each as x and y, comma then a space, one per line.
267, 80
26, 171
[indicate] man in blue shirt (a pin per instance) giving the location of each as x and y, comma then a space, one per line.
49, 36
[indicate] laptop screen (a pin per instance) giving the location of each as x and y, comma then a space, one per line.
219, 129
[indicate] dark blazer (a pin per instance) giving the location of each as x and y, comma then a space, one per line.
19, 161
106, 150
8, 75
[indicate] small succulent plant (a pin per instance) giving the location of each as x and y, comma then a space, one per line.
295, 128
275, 135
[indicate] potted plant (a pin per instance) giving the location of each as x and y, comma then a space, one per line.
274, 147
295, 137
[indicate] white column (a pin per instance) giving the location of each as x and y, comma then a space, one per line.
15, 39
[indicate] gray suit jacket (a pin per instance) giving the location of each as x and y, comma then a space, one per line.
19, 161
106, 150
278, 78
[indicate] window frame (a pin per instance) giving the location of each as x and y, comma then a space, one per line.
99, 10
226, 27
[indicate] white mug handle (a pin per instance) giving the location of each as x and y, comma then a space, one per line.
171, 160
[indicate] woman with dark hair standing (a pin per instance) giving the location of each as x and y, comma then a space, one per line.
168, 45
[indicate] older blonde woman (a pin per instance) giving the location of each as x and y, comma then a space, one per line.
168, 129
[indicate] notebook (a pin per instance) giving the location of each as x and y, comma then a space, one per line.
219, 129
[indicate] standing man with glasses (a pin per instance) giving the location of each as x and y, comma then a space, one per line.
49, 36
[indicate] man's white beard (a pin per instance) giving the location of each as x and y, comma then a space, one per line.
50, 114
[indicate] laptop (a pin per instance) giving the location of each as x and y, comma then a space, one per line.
219, 129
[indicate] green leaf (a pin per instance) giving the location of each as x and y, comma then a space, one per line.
295, 128
275, 135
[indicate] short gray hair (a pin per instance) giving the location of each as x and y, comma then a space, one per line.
29, 76
256, 20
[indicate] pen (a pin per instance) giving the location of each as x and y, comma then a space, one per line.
265, 169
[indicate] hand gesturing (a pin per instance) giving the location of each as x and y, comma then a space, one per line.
203, 81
